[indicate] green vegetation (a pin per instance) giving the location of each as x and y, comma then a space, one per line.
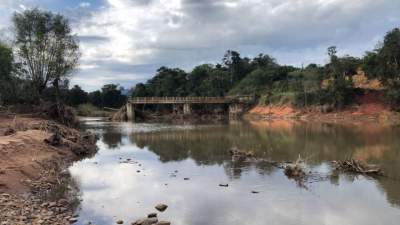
329, 85
46, 54
38, 66
88, 109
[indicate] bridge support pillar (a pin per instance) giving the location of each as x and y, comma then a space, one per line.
187, 109
130, 112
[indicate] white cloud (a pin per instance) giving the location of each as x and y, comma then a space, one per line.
183, 33
84, 4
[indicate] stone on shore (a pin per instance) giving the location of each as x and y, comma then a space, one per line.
146, 221
163, 223
151, 215
161, 207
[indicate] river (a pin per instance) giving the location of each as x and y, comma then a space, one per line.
141, 165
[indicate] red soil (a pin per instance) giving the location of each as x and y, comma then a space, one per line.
368, 106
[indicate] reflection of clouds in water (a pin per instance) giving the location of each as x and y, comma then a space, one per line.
112, 191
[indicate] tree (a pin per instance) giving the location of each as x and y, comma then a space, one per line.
237, 67
264, 61
139, 90
6, 79
112, 96
77, 96
6, 61
384, 61
168, 82
339, 92
197, 79
47, 50
95, 98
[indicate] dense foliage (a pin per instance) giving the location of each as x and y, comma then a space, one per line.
46, 48
330, 85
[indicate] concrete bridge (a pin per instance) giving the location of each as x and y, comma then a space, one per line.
236, 103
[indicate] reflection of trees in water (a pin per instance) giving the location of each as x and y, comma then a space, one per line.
314, 142
112, 136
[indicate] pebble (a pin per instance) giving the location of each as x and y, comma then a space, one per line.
161, 207
120, 222
152, 215
32, 210
163, 223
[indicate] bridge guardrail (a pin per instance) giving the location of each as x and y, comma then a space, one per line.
172, 100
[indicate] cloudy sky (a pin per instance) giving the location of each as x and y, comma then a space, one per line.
125, 41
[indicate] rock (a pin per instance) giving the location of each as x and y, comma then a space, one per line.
138, 222
186, 178
161, 207
146, 221
223, 185
120, 222
150, 221
151, 215
72, 220
63, 202
163, 223
9, 131
54, 140
255, 192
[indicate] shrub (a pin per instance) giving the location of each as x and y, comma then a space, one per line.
88, 109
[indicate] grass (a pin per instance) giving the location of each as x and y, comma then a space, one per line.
91, 110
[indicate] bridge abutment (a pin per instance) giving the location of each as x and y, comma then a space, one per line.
130, 111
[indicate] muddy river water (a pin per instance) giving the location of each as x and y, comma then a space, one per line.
141, 165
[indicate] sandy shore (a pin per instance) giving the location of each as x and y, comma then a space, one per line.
34, 155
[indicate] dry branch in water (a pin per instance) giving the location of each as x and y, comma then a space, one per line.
356, 166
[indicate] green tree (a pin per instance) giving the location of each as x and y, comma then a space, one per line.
340, 90
139, 90
112, 96
95, 98
47, 49
168, 82
77, 96
384, 61
7, 87
238, 67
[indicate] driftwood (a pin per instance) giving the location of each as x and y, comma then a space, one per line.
355, 166
240, 155
294, 171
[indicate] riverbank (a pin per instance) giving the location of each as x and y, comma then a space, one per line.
34, 156
368, 107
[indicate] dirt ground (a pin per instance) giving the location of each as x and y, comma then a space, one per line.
34, 155
24, 154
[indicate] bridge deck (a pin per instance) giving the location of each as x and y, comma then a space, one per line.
179, 100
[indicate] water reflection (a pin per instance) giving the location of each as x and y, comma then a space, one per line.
112, 190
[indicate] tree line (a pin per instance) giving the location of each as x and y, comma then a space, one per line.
330, 84
38, 64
